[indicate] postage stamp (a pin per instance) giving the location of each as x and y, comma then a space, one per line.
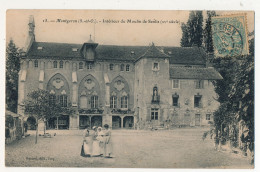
229, 34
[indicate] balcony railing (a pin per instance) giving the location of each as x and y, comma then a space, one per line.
122, 111
91, 111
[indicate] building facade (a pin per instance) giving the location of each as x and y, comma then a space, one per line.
122, 86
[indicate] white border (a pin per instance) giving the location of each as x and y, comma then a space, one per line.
253, 5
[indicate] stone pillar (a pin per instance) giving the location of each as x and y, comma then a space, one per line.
90, 122
74, 86
78, 121
122, 121
107, 95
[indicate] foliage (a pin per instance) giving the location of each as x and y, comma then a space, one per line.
236, 93
12, 70
38, 105
192, 31
207, 33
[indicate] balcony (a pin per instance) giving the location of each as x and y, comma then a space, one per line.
155, 99
122, 111
91, 111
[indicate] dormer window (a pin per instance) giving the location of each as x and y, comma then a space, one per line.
61, 64
89, 65
55, 64
74, 49
155, 66
36, 63
80, 65
127, 67
122, 67
199, 84
39, 48
175, 83
111, 66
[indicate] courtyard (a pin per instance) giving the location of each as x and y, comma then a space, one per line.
177, 148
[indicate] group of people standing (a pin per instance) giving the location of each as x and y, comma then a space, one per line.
97, 142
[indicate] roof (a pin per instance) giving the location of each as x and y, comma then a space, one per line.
176, 55
186, 55
194, 73
154, 52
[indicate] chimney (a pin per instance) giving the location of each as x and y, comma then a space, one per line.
31, 36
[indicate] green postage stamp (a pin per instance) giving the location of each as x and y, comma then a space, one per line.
229, 34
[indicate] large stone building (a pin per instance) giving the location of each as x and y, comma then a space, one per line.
122, 86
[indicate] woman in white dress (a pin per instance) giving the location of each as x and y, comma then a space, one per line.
108, 142
101, 140
96, 141
87, 143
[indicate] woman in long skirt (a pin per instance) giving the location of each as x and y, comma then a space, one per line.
95, 147
87, 143
101, 140
108, 142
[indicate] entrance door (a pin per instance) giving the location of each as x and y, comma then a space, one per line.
96, 121
197, 119
116, 122
83, 121
187, 119
128, 122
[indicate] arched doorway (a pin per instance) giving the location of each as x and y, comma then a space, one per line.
96, 121
62, 122
31, 122
128, 122
116, 122
84, 121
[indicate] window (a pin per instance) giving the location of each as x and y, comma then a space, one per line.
155, 97
63, 101
154, 114
55, 65
111, 66
175, 83
80, 65
89, 65
124, 102
175, 100
36, 63
127, 67
122, 67
94, 102
52, 100
156, 66
199, 84
61, 64
208, 117
113, 102
197, 101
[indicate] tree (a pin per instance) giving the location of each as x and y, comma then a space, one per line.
236, 93
38, 105
207, 33
12, 70
192, 31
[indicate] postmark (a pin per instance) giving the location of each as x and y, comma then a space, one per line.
229, 34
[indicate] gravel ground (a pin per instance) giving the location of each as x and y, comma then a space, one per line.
178, 148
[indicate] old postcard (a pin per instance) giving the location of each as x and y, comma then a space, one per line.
129, 89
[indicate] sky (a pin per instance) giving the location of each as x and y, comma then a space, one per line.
165, 33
